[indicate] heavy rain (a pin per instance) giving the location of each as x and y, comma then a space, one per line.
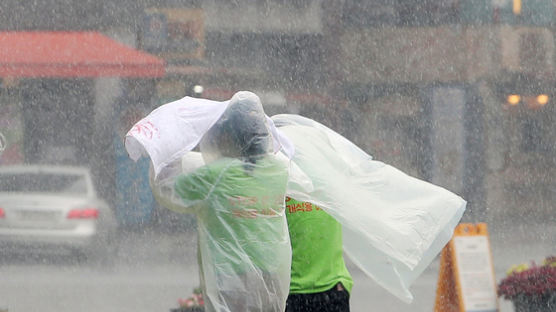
457, 93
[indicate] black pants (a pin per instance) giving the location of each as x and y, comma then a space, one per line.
335, 299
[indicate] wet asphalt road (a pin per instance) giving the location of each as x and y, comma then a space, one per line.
151, 270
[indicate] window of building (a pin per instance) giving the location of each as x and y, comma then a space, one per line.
362, 14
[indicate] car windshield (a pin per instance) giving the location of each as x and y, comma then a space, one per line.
43, 183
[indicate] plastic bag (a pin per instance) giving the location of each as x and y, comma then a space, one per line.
174, 129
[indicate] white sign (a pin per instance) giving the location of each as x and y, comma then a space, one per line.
474, 267
3, 143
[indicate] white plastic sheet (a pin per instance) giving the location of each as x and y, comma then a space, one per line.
236, 187
394, 225
173, 129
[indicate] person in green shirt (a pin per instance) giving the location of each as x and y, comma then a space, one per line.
238, 197
320, 280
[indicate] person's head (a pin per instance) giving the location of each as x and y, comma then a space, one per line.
241, 132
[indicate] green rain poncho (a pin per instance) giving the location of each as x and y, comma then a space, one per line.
238, 197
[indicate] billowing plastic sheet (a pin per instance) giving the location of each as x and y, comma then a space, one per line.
393, 224
173, 129
236, 187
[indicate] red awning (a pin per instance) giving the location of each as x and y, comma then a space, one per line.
72, 54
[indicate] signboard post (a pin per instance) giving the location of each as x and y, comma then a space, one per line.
466, 280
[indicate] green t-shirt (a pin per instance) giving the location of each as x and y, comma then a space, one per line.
317, 249
241, 216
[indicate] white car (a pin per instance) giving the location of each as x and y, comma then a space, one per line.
50, 207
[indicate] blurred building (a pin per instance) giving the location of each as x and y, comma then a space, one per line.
461, 91
65, 100
456, 92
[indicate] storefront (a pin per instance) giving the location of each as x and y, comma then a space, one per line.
525, 172
62, 98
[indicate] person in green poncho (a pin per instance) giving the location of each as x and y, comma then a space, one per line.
238, 197
320, 280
